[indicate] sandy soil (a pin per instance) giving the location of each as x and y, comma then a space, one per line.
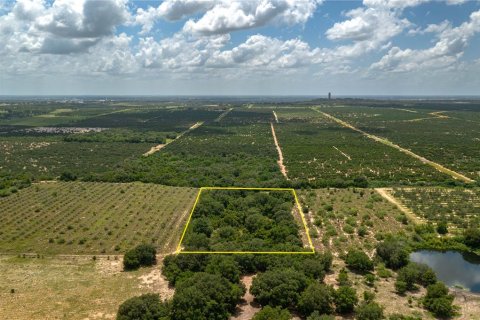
385, 193
247, 308
283, 169
387, 142
223, 115
275, 115
343, 153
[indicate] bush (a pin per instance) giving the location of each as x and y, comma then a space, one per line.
393, 252
359, 261
205, 296
401, 286
318, 316
226, 266
415, 273
442, 227
345, 299
342, 278
269, 313
438, 301
472, 237
369, 311
279, 287
317, 297
143, 255
144, 307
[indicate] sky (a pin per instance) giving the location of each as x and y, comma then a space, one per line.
239, 47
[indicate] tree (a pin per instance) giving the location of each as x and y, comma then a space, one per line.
438, 301
317, 297
143, 255
68, 176
369, 311
393, 252
279, 287
144, 307
269, 313
342, 278
345, 299
412, 274
205, 296
472, 237
226, 266
359, 261
442, 227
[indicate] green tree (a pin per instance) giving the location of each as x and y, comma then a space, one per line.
345, 299
369, 311
226, 266
359, 261
205, 296
442, 227
317, 297
393, 252
141, 256
472, 237
144, 307
279, 287
269, 313
317, 316
342, 278
438, 301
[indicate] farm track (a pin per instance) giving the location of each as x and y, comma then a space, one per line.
161, 146
385, 193
276, 117
283, 169
223, 115
387, 142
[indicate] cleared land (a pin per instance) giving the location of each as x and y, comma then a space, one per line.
93, 218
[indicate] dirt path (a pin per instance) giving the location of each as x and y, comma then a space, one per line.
343, 153
387, 142
385, 193
247, 308
275, 115
160, 146
283, 169
223, 115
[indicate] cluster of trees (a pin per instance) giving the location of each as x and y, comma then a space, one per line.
143, 255
209, 286
121, 135
11, 184
240, 220
394, 253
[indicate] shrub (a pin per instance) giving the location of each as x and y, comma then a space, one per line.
318, 316
401, 286
279, 287
472, 237
144, 307
226, 266
415, 273
205, 296
393, 252
342, 278
141, 256
359, 261
317, 297
369, 279
438, 301
442, 227
369, 311
269, 313
345, 299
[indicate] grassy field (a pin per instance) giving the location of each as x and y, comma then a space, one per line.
93, 218
346, 218
71, 287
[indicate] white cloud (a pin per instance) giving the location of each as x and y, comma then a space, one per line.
447, 50
228, 16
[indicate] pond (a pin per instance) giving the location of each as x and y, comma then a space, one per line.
452, 267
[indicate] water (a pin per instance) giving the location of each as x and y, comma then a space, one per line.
452, 267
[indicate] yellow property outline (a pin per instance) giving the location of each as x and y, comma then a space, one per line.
179, 247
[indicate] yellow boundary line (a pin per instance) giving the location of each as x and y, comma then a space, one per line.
179, 247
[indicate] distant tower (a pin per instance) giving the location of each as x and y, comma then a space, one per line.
329, 96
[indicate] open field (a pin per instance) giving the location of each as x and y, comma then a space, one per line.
93, 218
71, 287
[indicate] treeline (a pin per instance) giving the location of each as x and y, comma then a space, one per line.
241, 220
10, 184
121, 135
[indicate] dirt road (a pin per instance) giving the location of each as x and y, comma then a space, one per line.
246, 309
385, 193
283, 169
387, 142
161, 146
275, 115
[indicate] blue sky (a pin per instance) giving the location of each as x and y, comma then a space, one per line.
288, 47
